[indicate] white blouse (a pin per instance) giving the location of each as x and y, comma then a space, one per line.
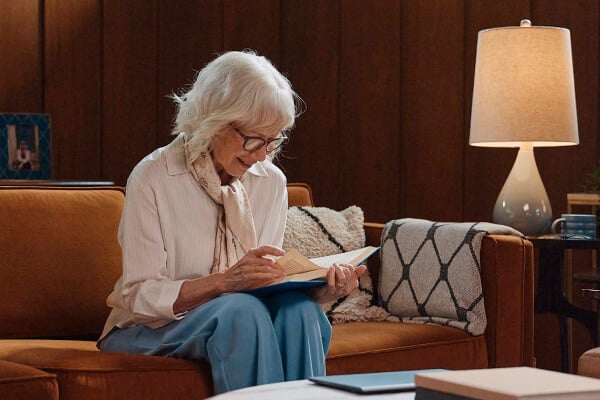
167, 232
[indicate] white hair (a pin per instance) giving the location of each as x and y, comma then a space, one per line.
240, 88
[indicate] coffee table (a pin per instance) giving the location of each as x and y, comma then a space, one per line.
304, 390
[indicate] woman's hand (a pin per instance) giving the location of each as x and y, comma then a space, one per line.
341, 280
255, 269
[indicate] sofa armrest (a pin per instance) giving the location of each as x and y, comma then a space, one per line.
508, 288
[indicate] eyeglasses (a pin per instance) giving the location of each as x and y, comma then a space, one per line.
254, 143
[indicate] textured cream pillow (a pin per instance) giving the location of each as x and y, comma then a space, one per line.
321, 231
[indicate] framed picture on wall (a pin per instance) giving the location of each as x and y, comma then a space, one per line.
25, 150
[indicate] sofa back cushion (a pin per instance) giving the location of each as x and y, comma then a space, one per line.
60, 259
299, 194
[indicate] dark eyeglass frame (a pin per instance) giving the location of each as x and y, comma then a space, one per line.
277, 142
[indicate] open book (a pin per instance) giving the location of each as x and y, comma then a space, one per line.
303, 272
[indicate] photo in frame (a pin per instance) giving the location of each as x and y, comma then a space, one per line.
25, 146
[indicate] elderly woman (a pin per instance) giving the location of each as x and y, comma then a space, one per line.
203, 221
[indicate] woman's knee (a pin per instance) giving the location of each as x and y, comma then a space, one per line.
243, 311
242, 303
296, 307
296, 302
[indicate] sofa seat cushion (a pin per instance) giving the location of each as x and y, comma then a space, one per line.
24, 382
390, 346
84, 372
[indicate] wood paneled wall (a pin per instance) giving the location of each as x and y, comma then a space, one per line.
387, 85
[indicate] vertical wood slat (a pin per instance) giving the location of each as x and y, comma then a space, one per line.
73, 94
432, 108
564, 169
581, 18
252, 25
309, 57
369, 129
129, 86
21, 57
133, 95
485, 169
190, 35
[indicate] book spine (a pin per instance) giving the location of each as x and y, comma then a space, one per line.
429, 394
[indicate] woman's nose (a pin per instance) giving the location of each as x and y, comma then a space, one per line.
261, 154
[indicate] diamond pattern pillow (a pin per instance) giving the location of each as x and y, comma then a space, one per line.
430, 272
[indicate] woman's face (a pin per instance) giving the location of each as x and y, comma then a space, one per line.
229, 155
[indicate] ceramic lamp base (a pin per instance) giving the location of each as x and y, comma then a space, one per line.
523, 202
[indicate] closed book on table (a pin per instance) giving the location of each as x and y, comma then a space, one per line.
518, 383
376, 382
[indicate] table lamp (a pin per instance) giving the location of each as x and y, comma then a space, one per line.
524, 96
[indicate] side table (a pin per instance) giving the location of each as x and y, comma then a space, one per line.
550, 296
587, 203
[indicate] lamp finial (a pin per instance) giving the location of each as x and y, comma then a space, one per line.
525, 23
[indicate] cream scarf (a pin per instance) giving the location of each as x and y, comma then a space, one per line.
235, 229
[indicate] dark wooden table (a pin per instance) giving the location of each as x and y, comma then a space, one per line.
550, 296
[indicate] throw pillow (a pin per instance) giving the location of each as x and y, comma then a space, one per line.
430, 272
321, 231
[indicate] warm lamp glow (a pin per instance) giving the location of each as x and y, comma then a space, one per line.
524, 96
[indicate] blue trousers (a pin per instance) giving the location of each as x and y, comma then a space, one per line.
247, 340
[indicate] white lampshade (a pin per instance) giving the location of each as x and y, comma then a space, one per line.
524, 96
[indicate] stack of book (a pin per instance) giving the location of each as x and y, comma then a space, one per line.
518, 383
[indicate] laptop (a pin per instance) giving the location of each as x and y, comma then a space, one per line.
396, 381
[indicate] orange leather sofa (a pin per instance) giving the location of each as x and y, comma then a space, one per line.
19, 381
589, 363
60, 259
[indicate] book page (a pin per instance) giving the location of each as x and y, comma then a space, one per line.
353, 257
294, 262
320, 273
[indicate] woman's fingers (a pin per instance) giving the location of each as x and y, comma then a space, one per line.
256, 268
360, 270
341, 278
255, 271
341, 281
347, 278
264, 255
263, 251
